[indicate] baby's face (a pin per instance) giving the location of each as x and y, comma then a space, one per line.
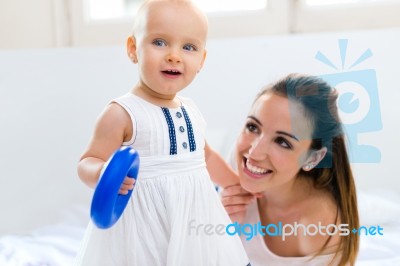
170, 46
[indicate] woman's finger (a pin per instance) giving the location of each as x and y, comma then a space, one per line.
237, 200
235, 209
233, 190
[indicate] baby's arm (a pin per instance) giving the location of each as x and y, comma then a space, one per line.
221, 173
112, 128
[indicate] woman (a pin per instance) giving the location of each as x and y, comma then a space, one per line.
295, 178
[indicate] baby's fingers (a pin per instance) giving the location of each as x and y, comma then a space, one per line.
129, 181
127, 184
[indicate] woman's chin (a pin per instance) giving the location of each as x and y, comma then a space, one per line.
251, 187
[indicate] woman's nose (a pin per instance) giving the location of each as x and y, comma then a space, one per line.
258, 149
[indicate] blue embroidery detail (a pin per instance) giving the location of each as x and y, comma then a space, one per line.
171, 130
192, 142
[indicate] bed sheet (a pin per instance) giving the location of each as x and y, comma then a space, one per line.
57, 244
50, 245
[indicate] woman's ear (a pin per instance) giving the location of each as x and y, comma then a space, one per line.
314, 158
131, 49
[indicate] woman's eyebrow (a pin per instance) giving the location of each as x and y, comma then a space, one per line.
255, 119
278, 132
287, 134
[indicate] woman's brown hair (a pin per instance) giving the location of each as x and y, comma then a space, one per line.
334, 172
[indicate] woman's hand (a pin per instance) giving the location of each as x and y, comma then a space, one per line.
128, 184
236, 200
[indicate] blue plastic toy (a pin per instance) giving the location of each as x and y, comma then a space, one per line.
107, 204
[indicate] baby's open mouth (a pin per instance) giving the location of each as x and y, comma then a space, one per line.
172, 72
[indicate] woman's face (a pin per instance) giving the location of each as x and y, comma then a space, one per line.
273, 145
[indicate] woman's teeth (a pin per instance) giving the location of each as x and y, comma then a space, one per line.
256, 170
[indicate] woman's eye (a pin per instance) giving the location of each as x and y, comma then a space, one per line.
159, 42
283, 142
251, 127
189, 47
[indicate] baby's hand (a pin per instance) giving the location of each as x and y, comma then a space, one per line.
128, 184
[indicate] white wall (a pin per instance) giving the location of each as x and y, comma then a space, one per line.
49, 102
66, 23
50, 99
27, 24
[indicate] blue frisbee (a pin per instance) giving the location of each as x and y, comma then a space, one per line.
107, 205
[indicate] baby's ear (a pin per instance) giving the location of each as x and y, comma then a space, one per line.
202, 60
131, 48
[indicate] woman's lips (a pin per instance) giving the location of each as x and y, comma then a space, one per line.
253, 171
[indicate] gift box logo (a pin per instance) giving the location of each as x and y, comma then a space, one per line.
358, 103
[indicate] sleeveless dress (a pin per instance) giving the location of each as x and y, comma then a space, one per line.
174, 216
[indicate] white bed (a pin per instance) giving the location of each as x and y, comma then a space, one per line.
50, 99
57, 244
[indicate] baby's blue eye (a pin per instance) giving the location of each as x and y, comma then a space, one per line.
159, 42
189, 47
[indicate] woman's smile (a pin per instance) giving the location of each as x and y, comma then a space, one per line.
254, 171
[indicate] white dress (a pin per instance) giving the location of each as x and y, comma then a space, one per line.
175, 216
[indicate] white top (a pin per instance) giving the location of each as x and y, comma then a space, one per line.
260, 255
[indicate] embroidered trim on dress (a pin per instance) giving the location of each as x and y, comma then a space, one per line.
192, 142
171, 130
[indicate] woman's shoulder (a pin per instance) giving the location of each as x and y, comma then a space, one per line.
320, 205
321, 222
